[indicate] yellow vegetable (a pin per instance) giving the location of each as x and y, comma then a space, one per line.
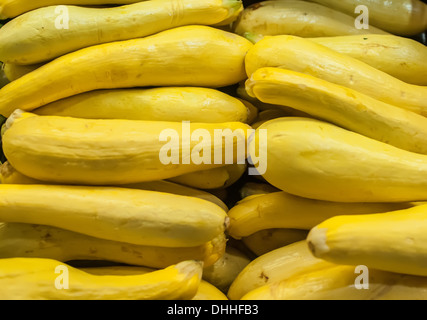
274, 266
271, 114
206, 290
242, 94
41, 241
318, 160
198, 56
41, 35
15, 71
294, 17
303, 55
404, 17
193, 104
267, 240
342, 106
252, 110
223, 272
391, 241
14, 8
37, 279
338, 283
283, 210
113, 152
128, 215
9, 175
400, 57
222, 177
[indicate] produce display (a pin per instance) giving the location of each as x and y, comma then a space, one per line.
213, 150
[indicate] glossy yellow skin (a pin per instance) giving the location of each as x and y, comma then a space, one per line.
223, 272
267, 240
284, 210
342, 106
34, 279
206, 290
303, 55
216, 178
121, 214
109, 152
274, 266
42, 241
338, 283
193, 104
34, 37
9, 175
392, 241
403, 17
400, 57
14, 8
318, 160
294, 17
199, 56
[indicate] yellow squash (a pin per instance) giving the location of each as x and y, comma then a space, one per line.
404, 17
9, 175
41, 241
112, 152
15, 71
251, 109
199, 56
242, 94
284, 210
338, 283
342, 106
318, 160
294, 17
14, 8
206, 290
42, 34
179, 189
43, 279
401, 57
223, 272
271, 114
275, 266
222, 177
129, 215
267, 240
193, 104
391, 241
306, 56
